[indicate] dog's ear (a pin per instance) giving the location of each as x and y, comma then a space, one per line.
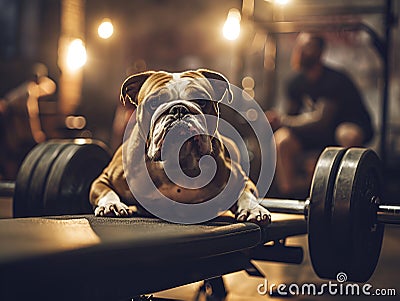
219, 83
131, 86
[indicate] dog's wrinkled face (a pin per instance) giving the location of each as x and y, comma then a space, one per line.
174, 106
179, 107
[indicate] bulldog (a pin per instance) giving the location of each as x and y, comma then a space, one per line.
176, 102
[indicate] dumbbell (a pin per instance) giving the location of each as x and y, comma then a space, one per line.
344, 213
55, 178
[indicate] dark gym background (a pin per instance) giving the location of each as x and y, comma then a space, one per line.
180, 34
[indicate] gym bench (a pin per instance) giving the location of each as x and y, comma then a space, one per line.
83, 257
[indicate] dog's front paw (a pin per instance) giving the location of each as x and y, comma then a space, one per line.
110, 205
248, 209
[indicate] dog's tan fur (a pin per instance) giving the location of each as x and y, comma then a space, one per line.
110, 191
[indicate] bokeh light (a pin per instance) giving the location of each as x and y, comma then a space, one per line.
76, 55
231, 28
105, 29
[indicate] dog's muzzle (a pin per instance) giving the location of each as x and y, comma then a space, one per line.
178, 127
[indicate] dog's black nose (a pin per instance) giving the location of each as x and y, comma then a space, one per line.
178, 111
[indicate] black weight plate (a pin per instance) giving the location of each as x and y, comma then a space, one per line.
39, 177
68, 184
319, 212
357, 235
23, 180
51, 197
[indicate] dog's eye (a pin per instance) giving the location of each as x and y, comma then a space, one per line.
202, 103
153, 103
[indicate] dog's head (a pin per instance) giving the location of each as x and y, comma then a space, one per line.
176, 103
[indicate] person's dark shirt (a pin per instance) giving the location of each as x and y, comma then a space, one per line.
334, 87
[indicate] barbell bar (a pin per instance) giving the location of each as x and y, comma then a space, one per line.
7, 188
386, 214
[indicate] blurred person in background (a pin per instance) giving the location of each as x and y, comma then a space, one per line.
20, 125
324, 108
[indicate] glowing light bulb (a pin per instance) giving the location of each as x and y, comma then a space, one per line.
231, 29
76, 55
105, 29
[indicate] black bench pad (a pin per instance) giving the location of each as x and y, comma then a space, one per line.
72, 255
